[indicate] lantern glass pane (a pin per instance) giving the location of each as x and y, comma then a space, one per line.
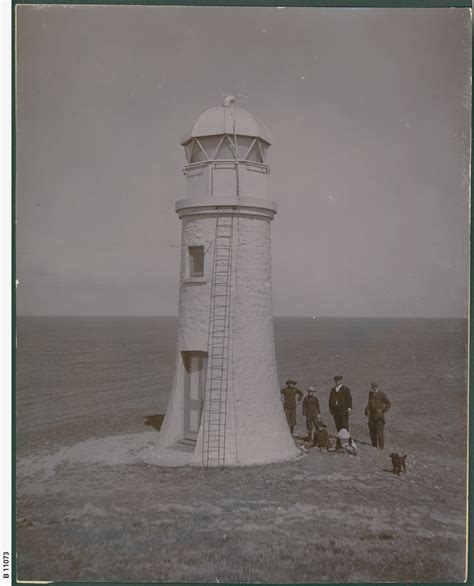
243, 144
209, 144
188, 150
197, 154
226, 150
255, 154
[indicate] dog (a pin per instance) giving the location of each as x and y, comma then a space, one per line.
398, 462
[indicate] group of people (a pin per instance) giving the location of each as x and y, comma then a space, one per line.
340, 407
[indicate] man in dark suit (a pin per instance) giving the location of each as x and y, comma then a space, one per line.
340, 404
377, 406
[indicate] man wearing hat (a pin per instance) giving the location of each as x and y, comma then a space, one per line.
377, 406
288, 395
340, 404
311, 411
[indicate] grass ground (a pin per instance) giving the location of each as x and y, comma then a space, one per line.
96, 511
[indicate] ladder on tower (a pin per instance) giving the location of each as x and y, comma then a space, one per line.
215, 403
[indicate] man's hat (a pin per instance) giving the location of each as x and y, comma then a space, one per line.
290, 381
338, 378
311, 390
343, 434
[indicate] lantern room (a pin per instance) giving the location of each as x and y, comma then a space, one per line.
226, 154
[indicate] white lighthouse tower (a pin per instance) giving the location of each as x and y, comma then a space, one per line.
225, 404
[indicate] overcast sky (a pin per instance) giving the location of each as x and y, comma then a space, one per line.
369, 110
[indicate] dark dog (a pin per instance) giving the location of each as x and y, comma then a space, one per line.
398, 462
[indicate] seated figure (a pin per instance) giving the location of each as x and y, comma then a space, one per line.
321, 436
347, 443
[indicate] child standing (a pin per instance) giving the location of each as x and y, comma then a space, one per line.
311, 411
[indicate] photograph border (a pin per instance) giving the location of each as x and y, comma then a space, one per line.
408, 4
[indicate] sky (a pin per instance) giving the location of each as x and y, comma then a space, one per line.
369, 111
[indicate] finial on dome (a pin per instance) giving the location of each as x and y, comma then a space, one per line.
228, 100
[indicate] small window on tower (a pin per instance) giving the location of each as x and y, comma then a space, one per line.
196, 261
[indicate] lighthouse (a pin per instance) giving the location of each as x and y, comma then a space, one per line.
224, 407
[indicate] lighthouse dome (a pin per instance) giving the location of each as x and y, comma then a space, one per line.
226, 153
227, 119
